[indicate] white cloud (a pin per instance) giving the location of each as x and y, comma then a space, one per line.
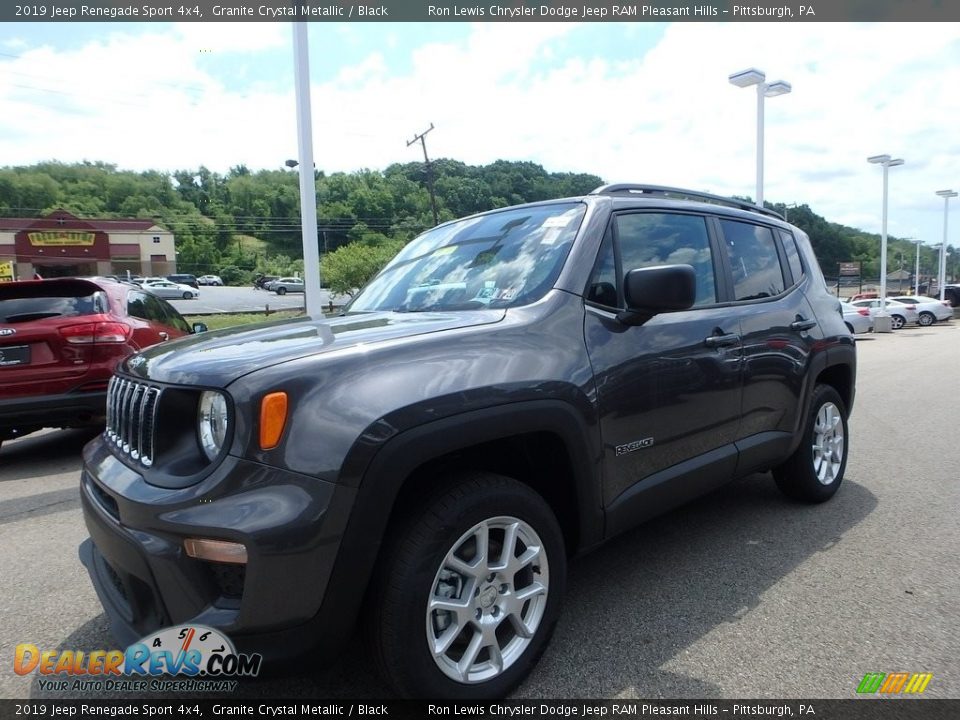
513, 91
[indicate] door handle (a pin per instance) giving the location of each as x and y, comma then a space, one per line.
721, 340
163, 336
801, 323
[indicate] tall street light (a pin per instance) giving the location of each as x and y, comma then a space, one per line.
746, 78
942, 270
881, 322
916, 273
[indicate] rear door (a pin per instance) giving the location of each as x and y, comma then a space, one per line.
154, 320
779, 330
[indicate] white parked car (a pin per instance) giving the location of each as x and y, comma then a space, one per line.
930, 309
209, 280
857, 319
167, 289
900, 313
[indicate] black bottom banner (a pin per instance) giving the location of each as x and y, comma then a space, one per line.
854, 709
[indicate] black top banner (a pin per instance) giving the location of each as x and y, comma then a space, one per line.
854, 709
473, 11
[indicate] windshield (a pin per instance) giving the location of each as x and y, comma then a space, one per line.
497, 260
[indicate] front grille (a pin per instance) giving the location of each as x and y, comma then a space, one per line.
131, 411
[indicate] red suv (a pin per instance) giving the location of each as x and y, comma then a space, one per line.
60, 341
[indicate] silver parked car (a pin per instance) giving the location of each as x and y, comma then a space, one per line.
857, 319
930, 309
900, 313
167, 289
287, 284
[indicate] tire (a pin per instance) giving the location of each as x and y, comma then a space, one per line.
810, 474
432, 558
926, 319
281, 291
216, 284
187, 295
897, 321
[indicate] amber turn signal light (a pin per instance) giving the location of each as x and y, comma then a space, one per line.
216, 550
273, 418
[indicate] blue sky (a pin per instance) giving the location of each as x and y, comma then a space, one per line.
640, 102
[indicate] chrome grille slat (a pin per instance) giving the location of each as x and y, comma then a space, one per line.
131, 415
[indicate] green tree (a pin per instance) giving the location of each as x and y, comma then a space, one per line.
350, 267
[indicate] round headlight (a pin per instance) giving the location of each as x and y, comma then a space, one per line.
212, 423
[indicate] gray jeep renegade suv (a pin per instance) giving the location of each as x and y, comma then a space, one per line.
513, 389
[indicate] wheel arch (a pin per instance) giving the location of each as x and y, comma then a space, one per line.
503, 439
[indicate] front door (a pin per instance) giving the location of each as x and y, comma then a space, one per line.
668, 391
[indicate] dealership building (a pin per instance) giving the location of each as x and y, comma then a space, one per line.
60, 244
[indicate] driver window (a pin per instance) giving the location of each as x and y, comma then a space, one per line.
649, 239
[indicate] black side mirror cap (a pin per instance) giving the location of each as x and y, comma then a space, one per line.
653, 290
199, 328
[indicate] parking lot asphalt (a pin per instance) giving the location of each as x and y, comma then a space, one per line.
742, 594
229, 299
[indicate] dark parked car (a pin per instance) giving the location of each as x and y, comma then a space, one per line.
60, 341
510, 390
190, 280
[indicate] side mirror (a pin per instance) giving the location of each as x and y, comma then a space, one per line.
654, 290
199, 328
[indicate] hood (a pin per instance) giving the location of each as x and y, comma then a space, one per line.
215, 359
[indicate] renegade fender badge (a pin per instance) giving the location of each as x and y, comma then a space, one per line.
634, 446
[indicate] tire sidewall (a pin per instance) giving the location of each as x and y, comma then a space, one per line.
811, 485
421, 671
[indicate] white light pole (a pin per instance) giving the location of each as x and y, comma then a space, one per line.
746, 78
916, 273
884, 320
942, 270
308, 183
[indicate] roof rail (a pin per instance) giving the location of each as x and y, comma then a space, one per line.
681, 194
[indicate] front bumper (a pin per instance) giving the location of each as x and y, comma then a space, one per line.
291, 525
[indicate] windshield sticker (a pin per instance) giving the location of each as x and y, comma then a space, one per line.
557, 221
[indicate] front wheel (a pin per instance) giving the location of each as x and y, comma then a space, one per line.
815, 470
469, 592
281, 291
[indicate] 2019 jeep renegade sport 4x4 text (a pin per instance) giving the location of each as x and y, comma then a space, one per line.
513, 388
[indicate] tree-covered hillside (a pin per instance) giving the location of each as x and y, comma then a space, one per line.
246, 221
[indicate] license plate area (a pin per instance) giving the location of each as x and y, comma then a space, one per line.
14, 355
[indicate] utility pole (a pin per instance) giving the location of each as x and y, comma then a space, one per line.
433, 198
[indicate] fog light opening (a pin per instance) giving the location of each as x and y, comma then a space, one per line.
216, 550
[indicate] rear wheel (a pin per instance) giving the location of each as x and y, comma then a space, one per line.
281, 291
897, 321
467, 597
815, 470
927, 318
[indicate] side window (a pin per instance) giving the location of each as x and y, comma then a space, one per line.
603, 282
155, 309
753, 259
136, 305
648, 239
172, 318
793, 255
